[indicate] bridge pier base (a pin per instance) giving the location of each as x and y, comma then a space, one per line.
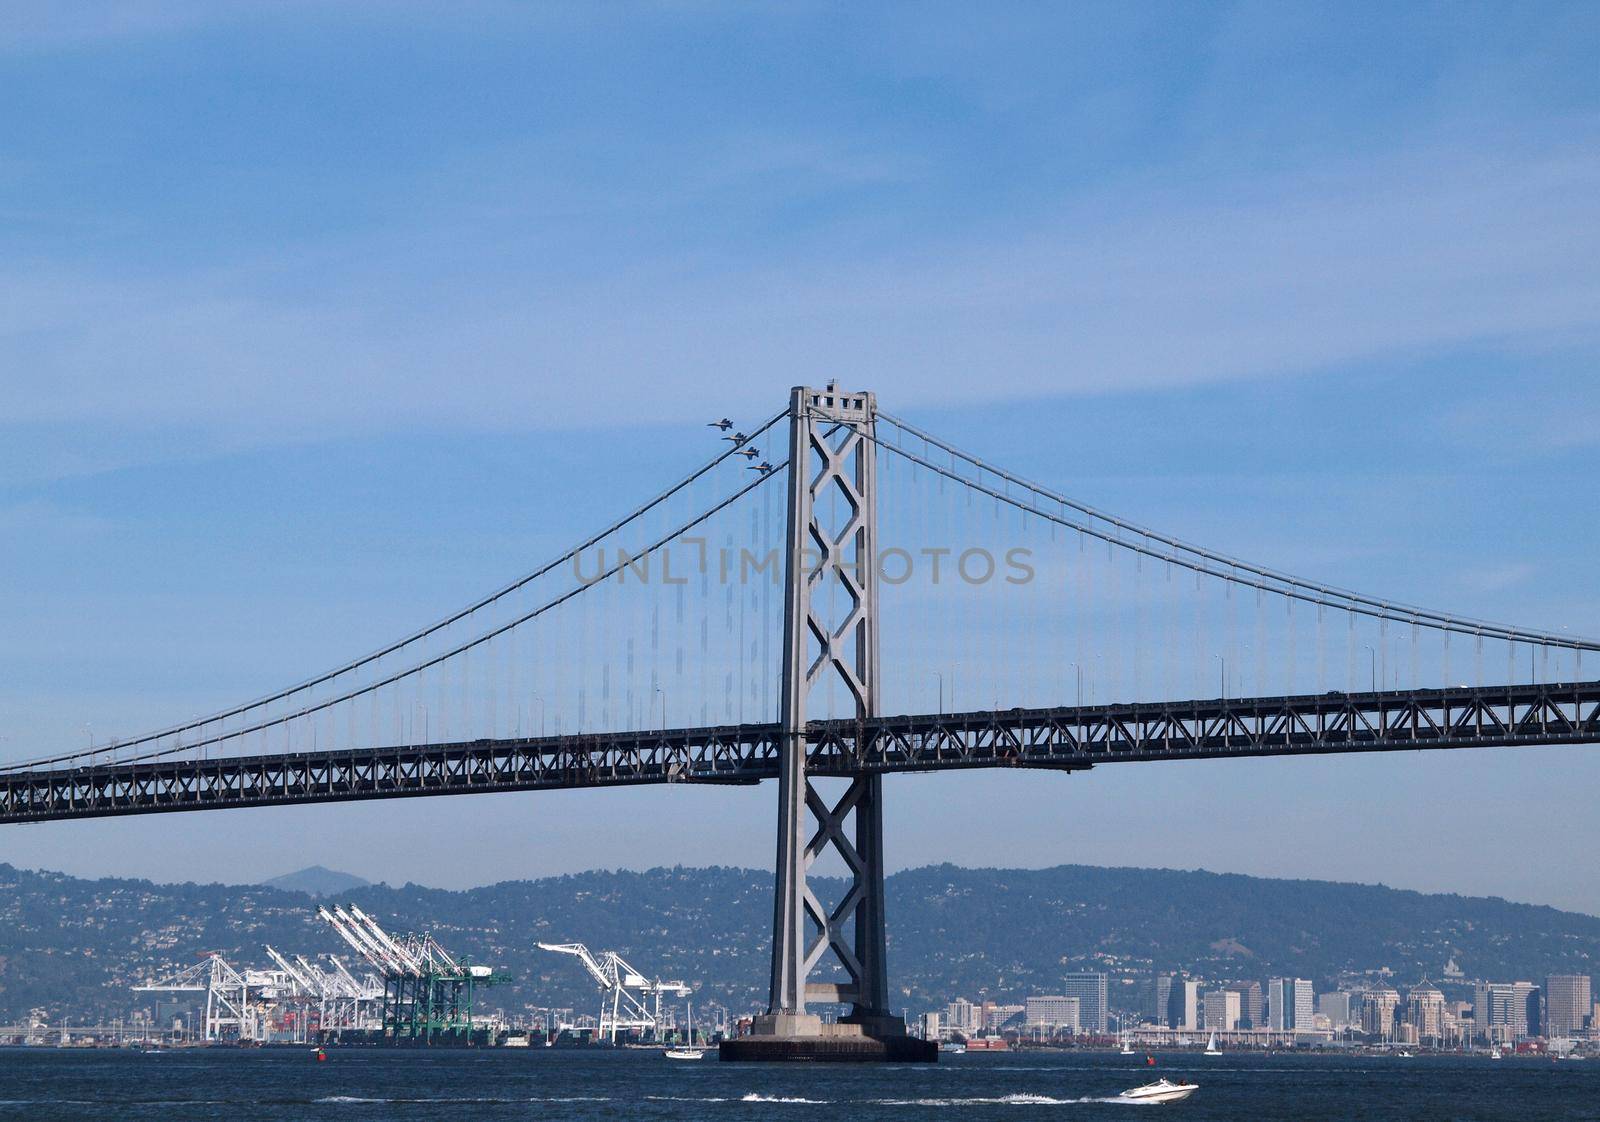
804, 1038
835, 1043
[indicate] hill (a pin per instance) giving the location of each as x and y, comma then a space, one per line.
73, 947
317, 881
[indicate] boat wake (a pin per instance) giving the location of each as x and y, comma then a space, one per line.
359, 1100
1018, 1099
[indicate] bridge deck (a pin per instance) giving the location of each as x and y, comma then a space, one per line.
1065, 739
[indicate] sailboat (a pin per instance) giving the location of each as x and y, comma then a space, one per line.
1211, 1046
1127, 1044
686, 1051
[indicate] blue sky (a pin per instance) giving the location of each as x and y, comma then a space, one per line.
317, 320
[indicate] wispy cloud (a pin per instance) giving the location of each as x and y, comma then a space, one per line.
43, 25
38, 518
1145, 288
1498, 578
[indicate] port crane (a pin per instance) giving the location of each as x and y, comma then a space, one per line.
634, 1000
342, 1003
233, 1001
427, 994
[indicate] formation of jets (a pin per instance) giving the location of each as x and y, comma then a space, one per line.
738, 439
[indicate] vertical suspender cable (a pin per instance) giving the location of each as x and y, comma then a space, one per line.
1350, 652
1261, 643
1114, 632
1383, 652
1138, 626
1289, 662
1322, 652
1413, 683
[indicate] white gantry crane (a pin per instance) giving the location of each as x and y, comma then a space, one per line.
252, 1005
233, 1011
628, 1000
341, 1002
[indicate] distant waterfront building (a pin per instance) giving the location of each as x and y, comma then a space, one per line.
1336, 1007
962, 1016
931, 1026
994, 1015
1458, 1022
1251, 1004
1425, 1012
1568, 1004
1184, 1012
1053, 1011
1504, 1012
1222, 1011
1161, 999
1090, 990
1184, 1005
1305, 1003
1377, 1012
1290, 1004
1530, 1000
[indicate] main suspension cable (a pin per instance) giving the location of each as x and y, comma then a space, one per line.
401, 644
470, 644
1206, 561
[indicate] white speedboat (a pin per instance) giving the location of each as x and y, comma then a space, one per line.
954, 1048
1161, 1091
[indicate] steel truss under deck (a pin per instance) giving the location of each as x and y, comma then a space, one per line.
1066, 739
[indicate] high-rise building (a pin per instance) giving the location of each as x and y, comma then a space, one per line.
1290, 1004
1336, 1007
1425, 1012
1377, 1012
1251, 1004
1090, 990
1053, 1011
1222, 1011
1532, 1000
962, 1016
1568, 1002
1161, 999
995, 1015
1183, 1008
1305, 1003
1504, 1012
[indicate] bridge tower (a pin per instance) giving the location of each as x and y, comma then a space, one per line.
832, 456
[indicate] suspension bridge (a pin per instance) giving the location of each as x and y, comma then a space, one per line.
787, 610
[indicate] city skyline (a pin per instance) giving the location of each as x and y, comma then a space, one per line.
1558, 1008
